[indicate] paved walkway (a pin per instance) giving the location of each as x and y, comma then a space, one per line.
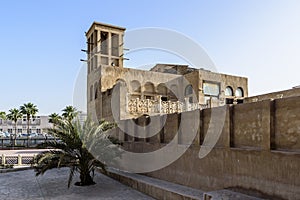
53, 185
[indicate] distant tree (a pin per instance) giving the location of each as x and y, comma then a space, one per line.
69, 113
73, 149
13, 115
2, 115
30, 110
54, 119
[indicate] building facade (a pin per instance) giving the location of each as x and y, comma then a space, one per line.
37, 125
258, 146
166, 88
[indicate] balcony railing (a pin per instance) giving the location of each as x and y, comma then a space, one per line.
148, 106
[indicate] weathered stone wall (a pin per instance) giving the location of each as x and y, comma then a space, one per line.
251, 125
225, 80
287, 123
94, 106
211, 120
111, 74
171, 127
258, 149
155, 139
274, 95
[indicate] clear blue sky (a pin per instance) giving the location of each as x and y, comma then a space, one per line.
41, 40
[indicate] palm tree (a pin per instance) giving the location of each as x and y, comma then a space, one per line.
73, 150
13, 115
30, 110
2, 115
54, 119
69, 113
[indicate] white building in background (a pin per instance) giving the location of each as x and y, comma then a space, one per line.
82, 116
37, 125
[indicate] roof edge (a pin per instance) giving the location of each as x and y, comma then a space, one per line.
104, 24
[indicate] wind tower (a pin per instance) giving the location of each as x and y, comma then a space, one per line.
104, 49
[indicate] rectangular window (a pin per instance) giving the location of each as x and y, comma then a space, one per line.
95, 61
240, 101
104, 42
19, 130
115, 45
89, 47
229, 101
164, 98
211, 89
92, 64
92, 44
89, 67
38, 130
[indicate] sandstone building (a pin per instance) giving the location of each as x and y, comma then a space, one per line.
257, 150
166, 88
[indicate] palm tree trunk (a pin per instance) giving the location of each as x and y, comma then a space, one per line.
28, 118
85, 178
85, 173
11, 139
54, 135
14, 142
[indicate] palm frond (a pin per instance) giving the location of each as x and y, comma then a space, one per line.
74, 149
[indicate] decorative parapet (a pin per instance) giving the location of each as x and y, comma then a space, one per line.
148, 106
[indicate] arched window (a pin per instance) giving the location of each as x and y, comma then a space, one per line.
135, 86
149, 87
188, 93
162, 89
228, 91
188, 90
149, 90
239, 92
